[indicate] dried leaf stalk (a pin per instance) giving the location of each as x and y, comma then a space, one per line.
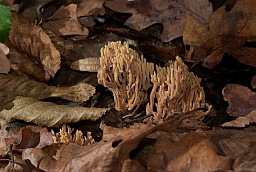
175, 89
126, 74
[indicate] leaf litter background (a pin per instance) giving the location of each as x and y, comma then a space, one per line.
49, 78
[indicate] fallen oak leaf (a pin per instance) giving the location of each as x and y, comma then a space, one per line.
226, 32
38, 52
47, 114
171, 14
241, 99
65, 22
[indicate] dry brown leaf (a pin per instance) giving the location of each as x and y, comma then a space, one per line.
4, 134
101, 156
131, 166
89, 7
253, 82
5, 64
47, 114
169, 13
232, 142
91, 64
38, 53
241, 100
22, 86
246, 162
64, 22
226, 32
193, 153
77, 93
242, 121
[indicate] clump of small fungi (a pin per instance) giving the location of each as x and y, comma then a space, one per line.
65, 136
129, 76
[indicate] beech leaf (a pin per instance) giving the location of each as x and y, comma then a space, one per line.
47, 114
35, 49
171, 14
22, 86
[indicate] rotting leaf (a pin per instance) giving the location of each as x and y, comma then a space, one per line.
22, 86
187, 155
5, 64
64, 22
107, 156
226, 32
48, 114
89, 7
232, 142
246, 162
241, 99
242, 121
38, 53
171, 14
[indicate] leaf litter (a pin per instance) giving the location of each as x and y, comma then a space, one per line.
52, 83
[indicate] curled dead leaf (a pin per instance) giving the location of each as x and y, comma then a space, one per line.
38, 53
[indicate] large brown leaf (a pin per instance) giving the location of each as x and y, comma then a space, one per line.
171, 14
45, 113
112, 155
226, 32
241, 99
32, 52
193, 153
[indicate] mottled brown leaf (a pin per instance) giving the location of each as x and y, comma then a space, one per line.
5, 64
35, 48
48, 114
242, 121
226, 32
64, 22
195, 152
232, 142
241, 99
246, 162
171, 14
22, 86
253, 82
89, 7
101, 156
89, 64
